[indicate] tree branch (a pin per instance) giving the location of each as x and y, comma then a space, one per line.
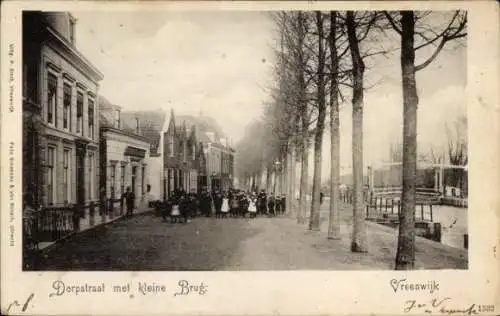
393, 23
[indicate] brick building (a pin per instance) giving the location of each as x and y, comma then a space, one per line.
124, 155
60, 114
182, 157
217, 153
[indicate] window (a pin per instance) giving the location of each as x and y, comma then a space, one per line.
122, 174
66, 175
194, 151
184, 151
91, 118
67, 90
171, 145
51, 177
90, 175
112, 180
52, 99
79, 113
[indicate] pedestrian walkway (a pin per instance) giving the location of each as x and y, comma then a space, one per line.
278, 243
87, 223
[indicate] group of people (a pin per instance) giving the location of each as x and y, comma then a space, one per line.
183, 206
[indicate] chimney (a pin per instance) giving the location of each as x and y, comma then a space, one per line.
118, 121
137, 127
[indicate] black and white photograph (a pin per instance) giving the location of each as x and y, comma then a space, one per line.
249, 158
244, 140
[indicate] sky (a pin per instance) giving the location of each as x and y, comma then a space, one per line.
220, 63
217, 62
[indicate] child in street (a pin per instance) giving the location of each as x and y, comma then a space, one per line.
252, 207
225, 206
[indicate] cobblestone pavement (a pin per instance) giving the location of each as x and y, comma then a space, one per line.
146, 243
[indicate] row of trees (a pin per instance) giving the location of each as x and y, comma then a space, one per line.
321, 60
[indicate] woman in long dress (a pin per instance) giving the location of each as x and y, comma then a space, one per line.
252, 207
225, 206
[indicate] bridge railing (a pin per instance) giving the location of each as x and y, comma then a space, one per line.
383, 202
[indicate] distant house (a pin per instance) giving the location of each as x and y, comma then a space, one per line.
217, 151
124, 154
180, 158
153, 125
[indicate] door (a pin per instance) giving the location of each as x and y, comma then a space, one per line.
134, 178
80, 179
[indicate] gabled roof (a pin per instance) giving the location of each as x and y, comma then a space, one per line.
202, 125
107, 115
150, 123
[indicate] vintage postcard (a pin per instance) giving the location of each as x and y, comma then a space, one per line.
250, 158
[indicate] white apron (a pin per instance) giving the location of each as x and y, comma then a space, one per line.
252, 208
175, 210
225, 206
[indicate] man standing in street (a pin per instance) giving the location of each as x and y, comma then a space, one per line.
129, 197
262, 203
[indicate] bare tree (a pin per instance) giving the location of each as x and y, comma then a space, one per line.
320, 123
426, 35
304, 113
334, 220
359, 241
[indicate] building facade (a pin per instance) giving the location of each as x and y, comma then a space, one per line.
220, 163
60, 114
181, 158
124, 156
153, 125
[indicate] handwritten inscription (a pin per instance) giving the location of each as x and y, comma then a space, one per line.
445, 306
404, 285
24, 307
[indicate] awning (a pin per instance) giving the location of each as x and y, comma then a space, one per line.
135, 152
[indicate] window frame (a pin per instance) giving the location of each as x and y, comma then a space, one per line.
91, 117
112, 176
171, 145
91, 167
51, 106
79, 110
51, 176
67, 107
67, 174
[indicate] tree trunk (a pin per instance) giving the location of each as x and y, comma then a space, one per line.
268, 179
405, 257
304, 183
293, 181
289, 186
334, 221
320, 126
304, 119
359, 239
